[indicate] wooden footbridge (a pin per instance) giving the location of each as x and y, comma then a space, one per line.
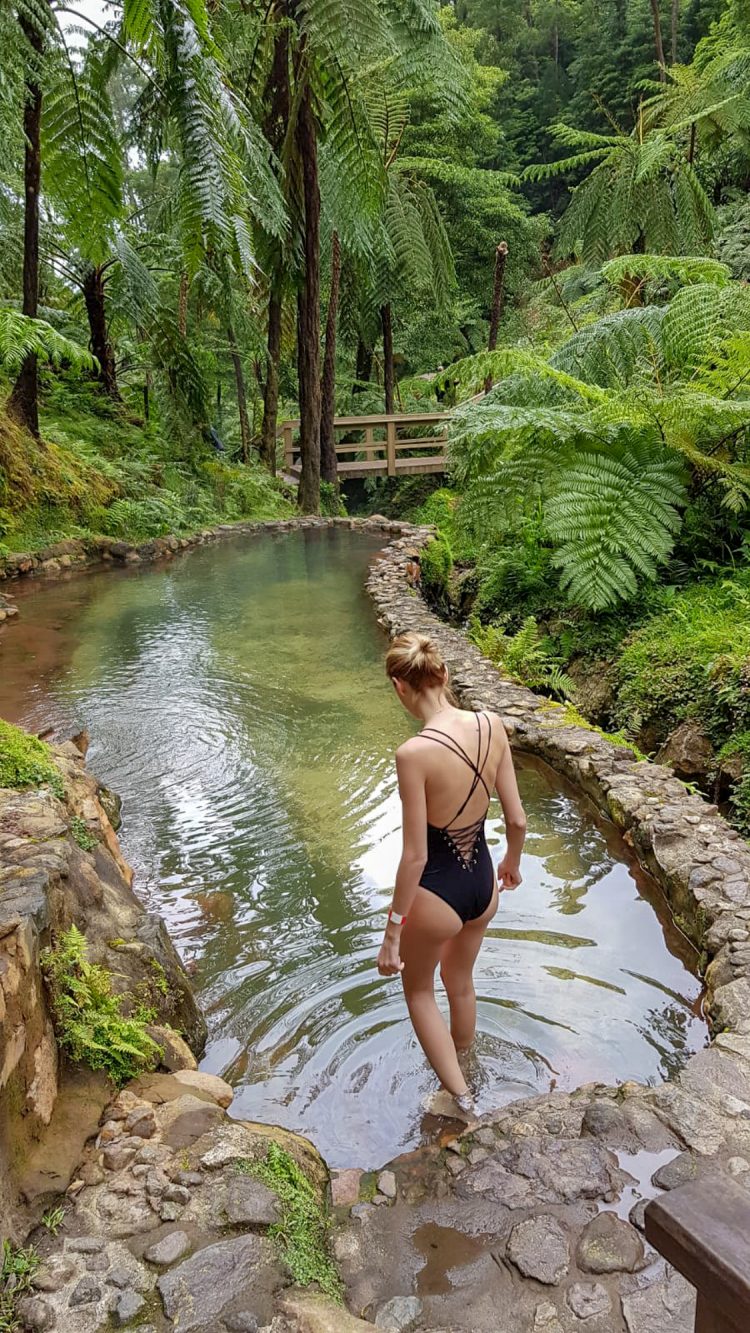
395, 445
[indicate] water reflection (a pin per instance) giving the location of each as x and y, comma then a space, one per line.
236, 700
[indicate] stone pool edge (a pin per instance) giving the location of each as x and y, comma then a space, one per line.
701, 864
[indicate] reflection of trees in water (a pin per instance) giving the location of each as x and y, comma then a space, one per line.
667, 1030
565, 838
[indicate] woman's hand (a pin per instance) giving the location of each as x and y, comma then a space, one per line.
508, 874
389, 960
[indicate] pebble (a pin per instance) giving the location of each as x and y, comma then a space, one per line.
35, 1313
177, 1194
400, 1315
118, 1155
169, 1212
387, 1184
85, 1292
587, 1299
738, 1166
97, 1263
169, 1249
126, 1306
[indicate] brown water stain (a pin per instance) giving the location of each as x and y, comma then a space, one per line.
443, 1250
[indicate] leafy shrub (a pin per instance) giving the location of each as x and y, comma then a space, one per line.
81, 834
88, 1017
436, 565
25, 761
739, 748
525, 655
693, 660
331, 502
302, 1233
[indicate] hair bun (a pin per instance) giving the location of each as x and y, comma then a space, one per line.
416, 658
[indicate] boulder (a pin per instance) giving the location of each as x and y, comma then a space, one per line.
688, 751
196, 1293
609, 1245
539, 1248
211, 1084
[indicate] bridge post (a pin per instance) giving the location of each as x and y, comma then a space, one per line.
369, 443
390, 448
287, 432
703, 1230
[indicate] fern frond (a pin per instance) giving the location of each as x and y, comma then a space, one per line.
21, 337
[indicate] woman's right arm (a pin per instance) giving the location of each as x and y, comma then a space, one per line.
506, 786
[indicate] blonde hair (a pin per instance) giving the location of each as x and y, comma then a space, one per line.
416, 659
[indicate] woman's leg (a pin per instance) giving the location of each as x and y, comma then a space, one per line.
431, 923
457, 971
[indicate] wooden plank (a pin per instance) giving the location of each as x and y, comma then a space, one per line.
703, 1230
391, 448
288, 431
369, 442
400, 418
423, 442
359, 448
410, 467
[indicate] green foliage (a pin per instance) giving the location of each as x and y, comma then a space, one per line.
25, 761
690, 661
89, 1021
331, 502
16, 1274
53, 1219
436, 566
21, 337
81, 834
302, 1235
737, 751
527, 655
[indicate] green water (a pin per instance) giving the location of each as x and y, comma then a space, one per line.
235, 699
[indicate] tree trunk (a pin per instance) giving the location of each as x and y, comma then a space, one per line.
147, 397
23, 403
498, 301
308, 312
277, 101
99, 342
271, 385
691, 148
328, 461
675, 29
239, 380
363, 369
388, 372
182, 305
658, 43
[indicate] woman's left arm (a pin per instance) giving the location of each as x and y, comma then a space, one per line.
411, 788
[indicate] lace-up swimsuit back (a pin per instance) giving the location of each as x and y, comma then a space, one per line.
459, 868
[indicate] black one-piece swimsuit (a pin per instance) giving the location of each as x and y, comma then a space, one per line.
459, 867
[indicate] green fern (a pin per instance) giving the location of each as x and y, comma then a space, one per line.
88, 1017
21, 337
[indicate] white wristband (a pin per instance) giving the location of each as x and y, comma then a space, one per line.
396, 918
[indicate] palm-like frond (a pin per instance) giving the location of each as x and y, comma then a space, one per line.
21, 337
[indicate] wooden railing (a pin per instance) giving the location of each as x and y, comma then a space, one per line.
386, 446
703, 1230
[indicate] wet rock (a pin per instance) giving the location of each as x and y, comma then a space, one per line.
602, 1119
242, 1322
169, 1249
85, 1292
215, 1087
200, 1288
122, 1277
637, 1214
401, 1314
609, 1245
387, 1184
175, 1052
667, 1306
36, 1313
345, 1187
313, 1313
125, 1307
557, 1170
539, 1248
187, 1119
250, 1203
546, 1320
587, 1299
680, 1171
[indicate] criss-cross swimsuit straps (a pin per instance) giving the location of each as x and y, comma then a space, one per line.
464, 839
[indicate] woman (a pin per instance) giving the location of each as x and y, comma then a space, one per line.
446, 894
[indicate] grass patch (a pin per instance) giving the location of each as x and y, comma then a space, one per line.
302, 1234
81, 833
89, 1021
25, 761
18, 1268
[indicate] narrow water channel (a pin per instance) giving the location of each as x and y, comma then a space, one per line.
236, 700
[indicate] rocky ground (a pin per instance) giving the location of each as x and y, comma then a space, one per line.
165, 1229
532, 1220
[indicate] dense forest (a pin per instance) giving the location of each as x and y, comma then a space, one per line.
214, 218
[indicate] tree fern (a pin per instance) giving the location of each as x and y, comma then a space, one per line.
21, 337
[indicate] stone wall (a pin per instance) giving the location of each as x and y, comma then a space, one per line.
48, 882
